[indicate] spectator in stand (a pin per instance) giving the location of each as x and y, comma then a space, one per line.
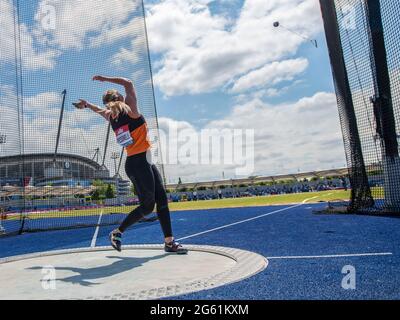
344, 183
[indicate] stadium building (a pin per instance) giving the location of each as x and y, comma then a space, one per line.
67, 170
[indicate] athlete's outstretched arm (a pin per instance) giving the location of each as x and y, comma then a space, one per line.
82, 104
130, 99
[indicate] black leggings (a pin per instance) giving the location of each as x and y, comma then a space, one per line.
150, 190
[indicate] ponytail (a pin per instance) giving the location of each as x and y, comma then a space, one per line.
114, 102
117, 108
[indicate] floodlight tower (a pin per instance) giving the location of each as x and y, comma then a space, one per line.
115, 156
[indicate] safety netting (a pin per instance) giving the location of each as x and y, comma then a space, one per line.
60, 167
363, 38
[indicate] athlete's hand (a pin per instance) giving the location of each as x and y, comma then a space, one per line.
81, 104
99, 78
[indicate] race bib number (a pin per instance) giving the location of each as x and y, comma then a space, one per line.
124, 137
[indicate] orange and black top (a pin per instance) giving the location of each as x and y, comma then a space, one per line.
131, 133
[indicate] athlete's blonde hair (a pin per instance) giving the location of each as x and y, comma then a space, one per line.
114, 102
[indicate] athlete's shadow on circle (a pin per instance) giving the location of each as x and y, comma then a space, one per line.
84, 275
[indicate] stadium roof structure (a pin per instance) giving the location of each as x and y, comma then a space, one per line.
59, 156
259, 179
47, 191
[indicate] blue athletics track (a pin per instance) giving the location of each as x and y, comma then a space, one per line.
309, 254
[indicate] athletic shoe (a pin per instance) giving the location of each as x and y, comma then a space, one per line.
175, 247
115, 239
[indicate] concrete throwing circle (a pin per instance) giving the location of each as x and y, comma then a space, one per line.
138, 272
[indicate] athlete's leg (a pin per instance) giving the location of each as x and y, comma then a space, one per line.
141, 175
164, 216
162, 205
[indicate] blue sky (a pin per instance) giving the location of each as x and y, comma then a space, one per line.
196, 108
193, 108
216, 106
216, 64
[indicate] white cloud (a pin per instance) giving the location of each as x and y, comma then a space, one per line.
9, 121
202, 52
271, 74
177, 24
33, 57
42, 103
129, 29
306, 133
79, 23
303, 135
125, 56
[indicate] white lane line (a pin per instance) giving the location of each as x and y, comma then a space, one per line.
305, 201
246, 220
96, 232
326, 195
239, 222
335, 256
